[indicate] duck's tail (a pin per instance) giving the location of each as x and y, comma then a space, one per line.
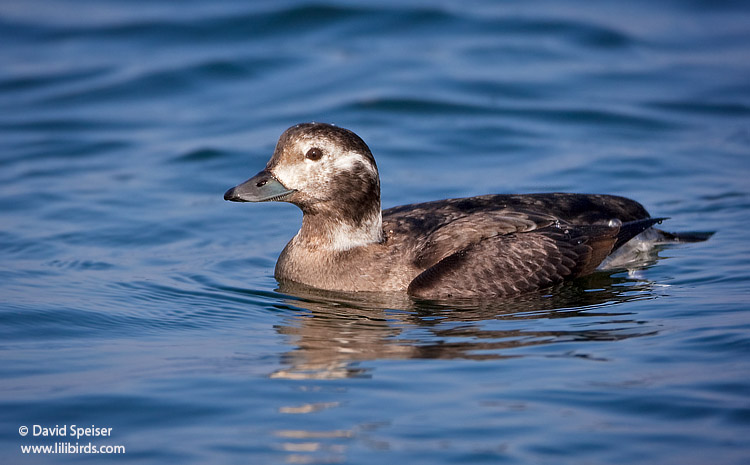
686, 237
637, 243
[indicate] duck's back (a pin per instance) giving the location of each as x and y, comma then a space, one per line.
573, 208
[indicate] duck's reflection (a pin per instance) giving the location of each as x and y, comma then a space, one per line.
335, 332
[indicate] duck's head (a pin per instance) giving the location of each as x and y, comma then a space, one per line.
324, 169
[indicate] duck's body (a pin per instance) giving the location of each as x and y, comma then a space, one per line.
489, 245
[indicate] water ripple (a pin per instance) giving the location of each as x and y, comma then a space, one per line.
133, 296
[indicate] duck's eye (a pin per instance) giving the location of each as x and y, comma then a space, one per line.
314, 154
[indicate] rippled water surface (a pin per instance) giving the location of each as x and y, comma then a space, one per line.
133, 297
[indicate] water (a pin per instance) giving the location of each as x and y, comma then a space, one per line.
133, 297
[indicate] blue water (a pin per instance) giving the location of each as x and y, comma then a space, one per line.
133, 297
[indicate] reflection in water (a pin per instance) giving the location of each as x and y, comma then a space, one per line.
337, 331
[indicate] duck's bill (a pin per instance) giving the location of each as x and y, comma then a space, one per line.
263, 187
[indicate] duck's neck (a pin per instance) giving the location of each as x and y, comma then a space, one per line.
337, 233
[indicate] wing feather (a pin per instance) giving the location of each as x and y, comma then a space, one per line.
515, 263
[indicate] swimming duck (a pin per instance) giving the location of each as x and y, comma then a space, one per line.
491, 245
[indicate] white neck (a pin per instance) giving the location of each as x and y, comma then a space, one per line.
338, 236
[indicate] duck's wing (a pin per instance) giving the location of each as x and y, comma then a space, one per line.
509, 264
466, 231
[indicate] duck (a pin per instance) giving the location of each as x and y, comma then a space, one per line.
489, 245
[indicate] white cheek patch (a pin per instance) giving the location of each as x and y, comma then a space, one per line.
318, 173
291, 176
